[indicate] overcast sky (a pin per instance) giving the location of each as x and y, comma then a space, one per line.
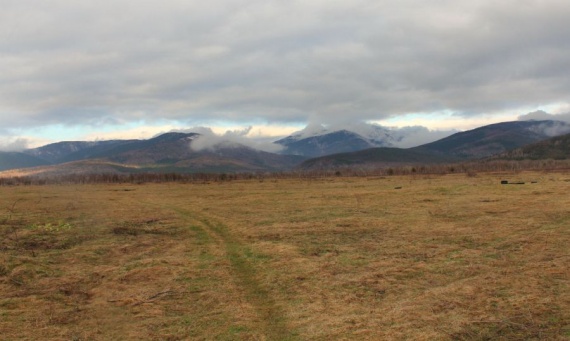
100, 69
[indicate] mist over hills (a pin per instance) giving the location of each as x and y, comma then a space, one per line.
469, 145
313, 147
318, 140
495, 138
329, 143
169, 152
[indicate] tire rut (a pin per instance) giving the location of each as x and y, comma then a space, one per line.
245, 274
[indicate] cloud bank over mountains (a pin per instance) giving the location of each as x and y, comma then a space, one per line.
208, 139
401, 137
540, 115
11, 144
404, 137
549, 130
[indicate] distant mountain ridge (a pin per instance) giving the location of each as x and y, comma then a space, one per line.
319, 141
330, 143
169, 152
469, 145
70, 150
174, 152
495, 138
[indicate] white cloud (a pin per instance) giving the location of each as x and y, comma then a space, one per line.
447, 121
414, 136
236, 138
540, 115
13, 144
19, 143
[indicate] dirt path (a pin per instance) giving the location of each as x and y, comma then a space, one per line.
270, 318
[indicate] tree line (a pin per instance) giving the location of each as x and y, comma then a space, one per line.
468, 168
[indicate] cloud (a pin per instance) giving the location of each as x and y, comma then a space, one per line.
95, 63
230, 139
401, 137
13, 144
556, 129
417, 135
136, 133
560, 126
540, 115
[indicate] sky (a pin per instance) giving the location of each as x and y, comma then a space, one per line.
86, 70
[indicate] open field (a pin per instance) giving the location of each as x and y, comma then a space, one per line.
450, 257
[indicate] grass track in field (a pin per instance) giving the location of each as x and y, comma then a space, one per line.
244, 272
442, 257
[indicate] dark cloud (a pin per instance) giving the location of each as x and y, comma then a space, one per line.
94, 62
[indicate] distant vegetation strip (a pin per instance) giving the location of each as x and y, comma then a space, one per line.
468, 168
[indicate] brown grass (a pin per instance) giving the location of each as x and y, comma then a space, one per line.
451, 257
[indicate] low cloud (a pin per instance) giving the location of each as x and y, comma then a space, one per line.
556, 129
417, 135
14, 144
560, 126
401, 137
230, 139
540, 115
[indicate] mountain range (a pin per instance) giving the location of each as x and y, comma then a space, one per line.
170, 152
319, 140
309, 149
473, 144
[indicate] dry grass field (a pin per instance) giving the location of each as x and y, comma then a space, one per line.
398, 258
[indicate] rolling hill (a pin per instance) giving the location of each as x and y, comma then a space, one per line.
11, 160
494, 139
556, 148
380, 157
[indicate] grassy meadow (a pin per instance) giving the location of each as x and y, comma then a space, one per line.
450, 257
